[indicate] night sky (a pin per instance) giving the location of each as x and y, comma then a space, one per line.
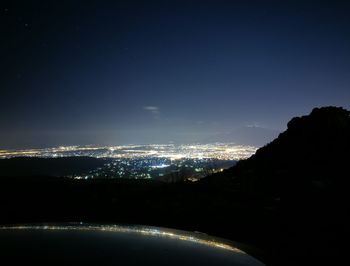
118, 72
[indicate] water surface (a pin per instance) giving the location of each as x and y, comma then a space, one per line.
116, 245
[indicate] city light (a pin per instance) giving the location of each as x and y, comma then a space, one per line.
163, 162
222, 151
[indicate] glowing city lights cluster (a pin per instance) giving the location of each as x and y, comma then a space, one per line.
221, 151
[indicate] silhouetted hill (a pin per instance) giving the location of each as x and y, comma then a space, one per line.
302, 177
312, 154
25, 166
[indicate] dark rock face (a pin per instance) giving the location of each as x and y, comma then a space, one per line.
313, 153
303, 178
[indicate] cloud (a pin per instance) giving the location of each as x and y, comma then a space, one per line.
152, 109
254, 125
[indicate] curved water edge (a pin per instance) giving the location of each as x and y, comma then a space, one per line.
184, 247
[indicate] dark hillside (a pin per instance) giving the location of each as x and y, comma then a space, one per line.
314, 151
302, 177
29, 166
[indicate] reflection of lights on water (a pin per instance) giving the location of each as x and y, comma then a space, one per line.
146, 231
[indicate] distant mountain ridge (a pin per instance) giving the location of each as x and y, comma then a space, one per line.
248, 135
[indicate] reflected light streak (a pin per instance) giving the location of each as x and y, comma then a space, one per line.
145, 231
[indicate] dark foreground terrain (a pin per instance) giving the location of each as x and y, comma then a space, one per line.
289, 202
64, 166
